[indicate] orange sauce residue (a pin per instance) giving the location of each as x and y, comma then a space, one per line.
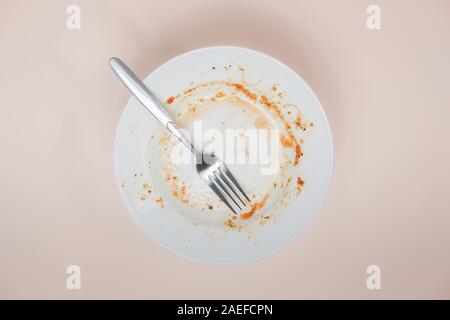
298, 121
220, 94
255, 207
286, 142
165, 138
300, 184
244, 90
183, 190
170, 100
273, 106
189, 90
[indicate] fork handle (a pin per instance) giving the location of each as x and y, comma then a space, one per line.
146, 97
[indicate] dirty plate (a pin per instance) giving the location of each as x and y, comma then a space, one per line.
256, 114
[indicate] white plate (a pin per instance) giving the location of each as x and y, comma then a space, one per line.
185, 226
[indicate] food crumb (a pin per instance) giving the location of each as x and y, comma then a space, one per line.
264, 219
231, 224
298, 121
160, 201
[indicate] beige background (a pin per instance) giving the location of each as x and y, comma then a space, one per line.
386, 94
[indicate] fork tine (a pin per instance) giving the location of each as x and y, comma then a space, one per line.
223, 185
230, 185
219, 193
231, 177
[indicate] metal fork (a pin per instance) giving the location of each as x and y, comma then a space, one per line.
213, 171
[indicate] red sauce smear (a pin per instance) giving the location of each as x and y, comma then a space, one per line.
244, 90
293, 142
255, 207
170, 100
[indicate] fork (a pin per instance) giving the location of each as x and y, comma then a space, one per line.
211, 169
